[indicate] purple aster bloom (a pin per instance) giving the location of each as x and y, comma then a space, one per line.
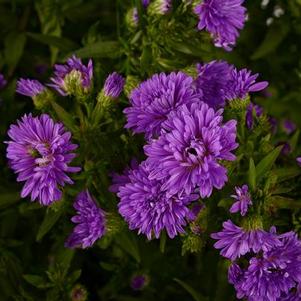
187, 156
243, 200
155, 98
274, 274
122, 179
235, 241
3, 81
145, 3
29, 87
249, 115
73, 64
138, 282
213, 82
114, 85
299, 160
289, 126
243, 82
223, 19
91, 222
40, 151
149, 208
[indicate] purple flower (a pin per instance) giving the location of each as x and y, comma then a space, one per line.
146, 206
243, 200
138, 282
145, 3
155, 98
249, 115
243, 82
298, 160
235, 241
213, 82
3, 81
114, 85
91, 222
161, 7
289, 126
40, 151
272, 275
29, 87
187, 156
76, 70
223, 19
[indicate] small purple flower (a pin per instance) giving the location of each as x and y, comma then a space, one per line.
138, 282
73, 65
249, 115
235, 241
145, 3
289, 126
3, 81
150, 209
29, 87
243, 200
114, 85
299, 161
155, 98
161, 7
271, 275
243, 82
91, 222
187, 157
213, 82
40, 152
223, 19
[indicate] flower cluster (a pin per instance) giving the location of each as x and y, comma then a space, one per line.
222, 19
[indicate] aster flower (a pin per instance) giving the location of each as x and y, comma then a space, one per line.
234, 241
138, 282
155, 98
249, 115
40, 152
212, 82
147, 207
3, 81
289, 126
187, 156
243, 200
222, 19
298, 160
145, 3
114, 85
243, 82
91, 222
272, 275
72, 76
29, 87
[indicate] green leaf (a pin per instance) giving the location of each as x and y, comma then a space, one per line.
284, 203
286, 173
267, 162
36, 281
194, 294
50, 219
63, 44
294, 140
14, 46
252, 174
129, 244
64, 116
272, 40
104, 49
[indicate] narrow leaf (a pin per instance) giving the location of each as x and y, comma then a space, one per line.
194, 294
252, 174
129, 244
267, 162
64, 116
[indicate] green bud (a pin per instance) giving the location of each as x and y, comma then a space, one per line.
132, 18
192, 244
252, 223
43, 100
160, 7
131, 83
78, 293
191, 71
